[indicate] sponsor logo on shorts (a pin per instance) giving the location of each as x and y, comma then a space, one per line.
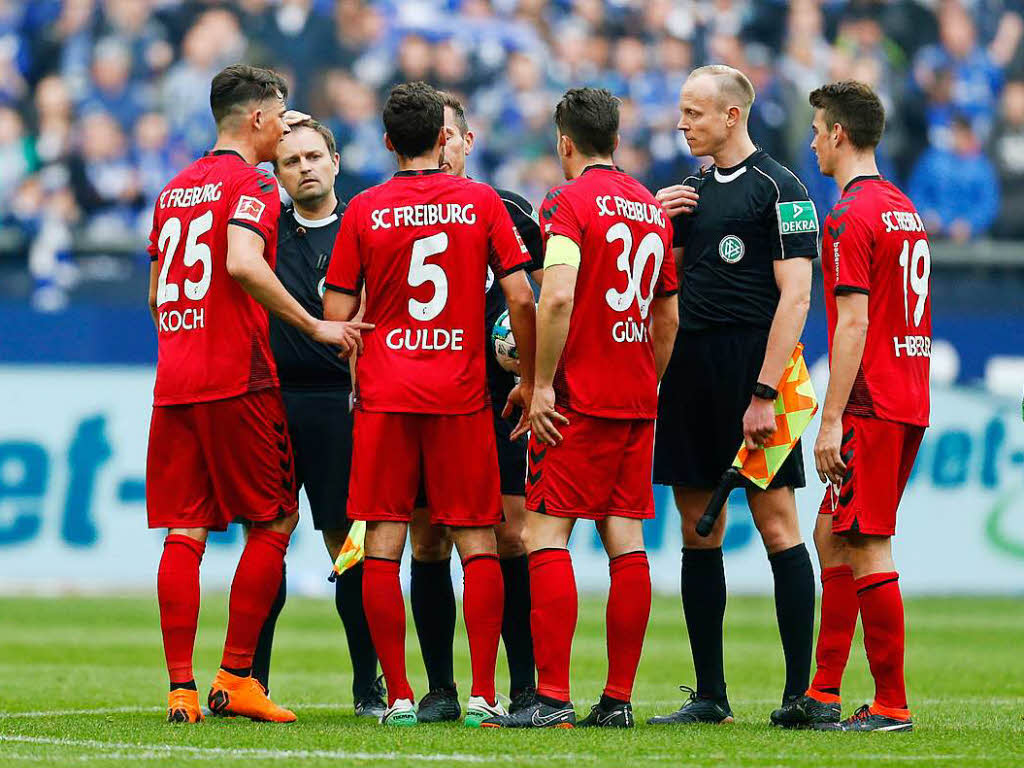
796, 218
731, 249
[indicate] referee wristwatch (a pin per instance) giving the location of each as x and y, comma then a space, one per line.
764, 392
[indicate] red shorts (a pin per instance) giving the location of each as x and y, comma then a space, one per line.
210, 463
879, 456
456, 454
602, 468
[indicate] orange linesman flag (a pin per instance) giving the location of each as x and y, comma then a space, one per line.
794, 408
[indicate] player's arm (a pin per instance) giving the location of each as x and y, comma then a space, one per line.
793, 278
664, 324
245, 263
847, 351
561, 268
154, 276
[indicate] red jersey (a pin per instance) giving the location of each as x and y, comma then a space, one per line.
212, 336
625, 240
422, 242
875, 243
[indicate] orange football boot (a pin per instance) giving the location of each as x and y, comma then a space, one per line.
231, 695
183, 706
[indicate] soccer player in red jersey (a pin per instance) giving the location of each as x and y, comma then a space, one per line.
876, 264
606, 325
218, 443
421, 243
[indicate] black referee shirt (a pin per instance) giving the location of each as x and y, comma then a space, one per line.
747, 217
524, 217
303, 253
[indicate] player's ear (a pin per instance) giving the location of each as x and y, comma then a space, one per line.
615, 146
337, 162
442, 137
387, 143
467, 140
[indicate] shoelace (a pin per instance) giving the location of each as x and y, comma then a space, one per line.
690, 691
862, 713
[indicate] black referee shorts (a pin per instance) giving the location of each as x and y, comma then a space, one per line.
704, 394
321, 431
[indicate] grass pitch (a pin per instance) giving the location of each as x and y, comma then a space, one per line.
82, 683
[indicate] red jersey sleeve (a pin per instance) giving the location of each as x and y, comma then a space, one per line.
255, 203
668, 280
854, 243
151, 247
558, 218
345, 272
507, 253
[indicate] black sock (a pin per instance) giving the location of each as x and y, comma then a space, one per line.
515, 623
189, 686
608, 702
348, 599
264, 646
557, 703
703, 588
433, 610
238, 671
794, 609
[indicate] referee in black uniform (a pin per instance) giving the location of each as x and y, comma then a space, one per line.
432, 597
316, 386
745, 235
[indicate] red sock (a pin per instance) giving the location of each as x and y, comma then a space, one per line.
629, 608
385, 614
881, 612
552, 619
483, 599
253, 591
839, 608
177, 591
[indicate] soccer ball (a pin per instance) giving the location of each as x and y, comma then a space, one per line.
505, 344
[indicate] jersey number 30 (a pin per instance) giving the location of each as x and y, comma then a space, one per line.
650, 245
195, 252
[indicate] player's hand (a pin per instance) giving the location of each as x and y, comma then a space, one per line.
828, 457
293, 116
677, 199
520, 397
543, 416
758, 422
347, 336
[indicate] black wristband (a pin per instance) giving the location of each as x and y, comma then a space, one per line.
764, 392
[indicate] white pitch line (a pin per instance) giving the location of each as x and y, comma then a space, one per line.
127, 750
114, 750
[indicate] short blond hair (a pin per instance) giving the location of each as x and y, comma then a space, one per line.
734, 88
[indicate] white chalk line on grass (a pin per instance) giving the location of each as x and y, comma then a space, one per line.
344, 708
128, 751
114, 750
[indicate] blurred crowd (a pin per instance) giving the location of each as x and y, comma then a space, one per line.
102, 101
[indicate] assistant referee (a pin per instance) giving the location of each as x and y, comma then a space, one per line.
316, 386
745, 235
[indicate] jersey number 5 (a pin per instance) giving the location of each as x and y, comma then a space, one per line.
421, 272
167, 243
650, 245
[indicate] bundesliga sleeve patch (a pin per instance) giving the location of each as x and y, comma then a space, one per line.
249, 208
797, 217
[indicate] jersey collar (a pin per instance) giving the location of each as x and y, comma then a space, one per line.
217, 152
424, 172
302, 221
601, 167
725, 175
858, 179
